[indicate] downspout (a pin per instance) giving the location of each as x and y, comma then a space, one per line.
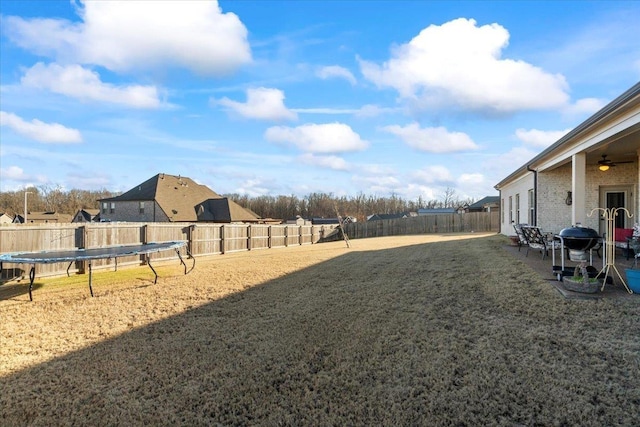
535, 194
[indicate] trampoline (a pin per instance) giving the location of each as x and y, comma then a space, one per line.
71, 256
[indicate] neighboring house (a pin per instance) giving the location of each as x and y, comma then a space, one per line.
87, 215
377, 217
42, 218
170, 198
437, 211
324, 221
298, 220
595, 165
5, 219
486, 204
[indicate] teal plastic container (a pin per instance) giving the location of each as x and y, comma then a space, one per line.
633, 280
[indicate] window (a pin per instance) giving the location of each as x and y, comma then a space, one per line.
141, 208
510, 209
518, 208
502, 210
532, 208
105, 206
113, 207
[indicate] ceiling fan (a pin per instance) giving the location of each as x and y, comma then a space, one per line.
605, 163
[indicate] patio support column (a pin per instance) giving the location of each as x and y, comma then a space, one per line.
578, 188
636, 214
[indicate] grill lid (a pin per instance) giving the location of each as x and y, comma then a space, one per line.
579, 233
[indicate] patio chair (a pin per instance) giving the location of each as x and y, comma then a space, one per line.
522, 241
536, 239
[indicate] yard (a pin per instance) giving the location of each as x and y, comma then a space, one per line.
413, 330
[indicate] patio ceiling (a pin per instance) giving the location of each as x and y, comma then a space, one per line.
623, 148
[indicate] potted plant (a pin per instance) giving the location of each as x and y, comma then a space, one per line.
580, 281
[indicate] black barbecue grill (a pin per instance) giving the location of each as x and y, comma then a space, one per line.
579, 238
578, 241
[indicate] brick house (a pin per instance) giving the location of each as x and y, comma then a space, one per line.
170, 198
595, 165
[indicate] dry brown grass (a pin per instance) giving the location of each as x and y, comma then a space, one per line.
416, 330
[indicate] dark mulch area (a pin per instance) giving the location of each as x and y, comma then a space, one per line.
613, 289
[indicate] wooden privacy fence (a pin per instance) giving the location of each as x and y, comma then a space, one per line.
441, 223
202, 239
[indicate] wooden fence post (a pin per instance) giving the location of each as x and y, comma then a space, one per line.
84, 240
249, 237
190, 232
222, 236
143, 237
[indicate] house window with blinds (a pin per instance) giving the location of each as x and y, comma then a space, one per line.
511, 209
141, 208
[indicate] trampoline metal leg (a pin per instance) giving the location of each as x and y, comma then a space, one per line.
183, 263
32, 276
90, 287
155, 280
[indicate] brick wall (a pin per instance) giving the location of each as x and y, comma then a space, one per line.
553, 212
130, 212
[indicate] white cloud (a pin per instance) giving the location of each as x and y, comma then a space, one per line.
371, 110
126, 35
381, 185
330, 162
459, 63
253, 187
78, 82
336, 71
503, 164
318, 138
53, 133
14, 178
263, 104
540, 138
470, 180
368, 110
325, 110
13, 173
433, 174
585, 107
434, 139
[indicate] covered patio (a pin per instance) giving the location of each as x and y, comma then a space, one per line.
544, 267
593, 166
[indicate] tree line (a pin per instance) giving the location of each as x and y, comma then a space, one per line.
314, 205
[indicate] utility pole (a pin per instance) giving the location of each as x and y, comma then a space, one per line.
26, 193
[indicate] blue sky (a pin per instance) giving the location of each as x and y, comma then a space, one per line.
292, 97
